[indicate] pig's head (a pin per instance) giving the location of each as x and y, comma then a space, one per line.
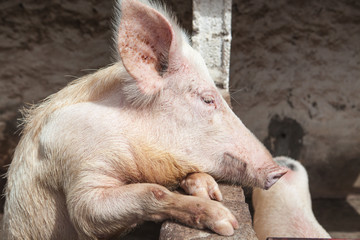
291, 190
170, 79
296, 179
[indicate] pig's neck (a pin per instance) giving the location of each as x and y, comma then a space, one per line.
153, 164
160, 154
158, 130
88, 88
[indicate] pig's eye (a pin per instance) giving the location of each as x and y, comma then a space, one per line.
209, 100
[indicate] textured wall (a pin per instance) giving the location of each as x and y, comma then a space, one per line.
294, 67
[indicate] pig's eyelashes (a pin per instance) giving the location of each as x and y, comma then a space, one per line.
209, 100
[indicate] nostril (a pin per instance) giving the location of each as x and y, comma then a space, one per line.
273, 178
278, 176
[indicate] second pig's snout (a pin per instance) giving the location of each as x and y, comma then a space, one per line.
273, 177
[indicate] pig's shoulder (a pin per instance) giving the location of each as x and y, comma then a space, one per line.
84, 121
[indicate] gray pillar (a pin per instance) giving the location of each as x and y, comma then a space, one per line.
212, 37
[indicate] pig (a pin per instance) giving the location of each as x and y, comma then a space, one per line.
285, 210
103, 154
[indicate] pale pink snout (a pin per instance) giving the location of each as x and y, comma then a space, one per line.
273, 177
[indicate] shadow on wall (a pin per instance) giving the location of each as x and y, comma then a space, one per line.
285, 137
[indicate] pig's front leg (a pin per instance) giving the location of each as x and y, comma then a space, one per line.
201, 185
100, 212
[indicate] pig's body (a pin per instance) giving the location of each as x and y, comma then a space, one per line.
98, 157
285, 210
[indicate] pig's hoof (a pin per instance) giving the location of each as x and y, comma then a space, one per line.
224, 227
201, 185
222, 221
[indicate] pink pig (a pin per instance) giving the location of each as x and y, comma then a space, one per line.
285, 210
98, 157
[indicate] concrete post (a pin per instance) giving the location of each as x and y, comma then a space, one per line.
212, 37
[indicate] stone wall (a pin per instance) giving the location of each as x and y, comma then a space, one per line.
294, 69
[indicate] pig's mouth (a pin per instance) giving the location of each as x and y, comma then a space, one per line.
235, 170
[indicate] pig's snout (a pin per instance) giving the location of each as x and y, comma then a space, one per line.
273, 177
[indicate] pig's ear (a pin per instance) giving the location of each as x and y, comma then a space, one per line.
144, 40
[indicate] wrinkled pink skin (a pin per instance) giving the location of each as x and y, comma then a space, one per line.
97, 157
